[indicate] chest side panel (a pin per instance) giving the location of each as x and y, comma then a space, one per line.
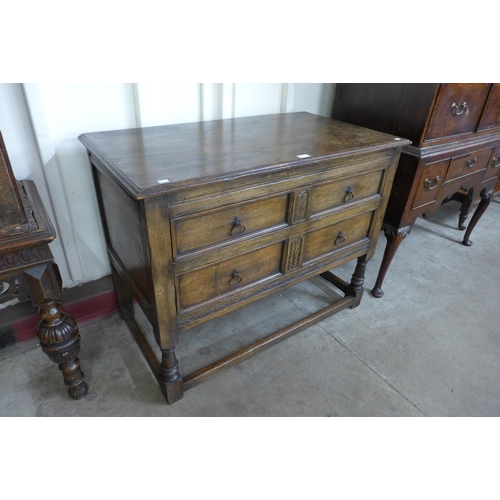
124, 232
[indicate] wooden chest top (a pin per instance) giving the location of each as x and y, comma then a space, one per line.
155, 160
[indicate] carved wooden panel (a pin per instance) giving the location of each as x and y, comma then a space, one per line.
15, 260
11, 207
300, 207
294, 250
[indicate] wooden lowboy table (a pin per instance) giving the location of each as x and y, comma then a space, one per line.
203, 218
454, 155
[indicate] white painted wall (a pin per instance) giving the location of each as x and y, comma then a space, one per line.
41, 123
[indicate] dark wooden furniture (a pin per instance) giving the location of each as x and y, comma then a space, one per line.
28, 271
454, 155
203, 218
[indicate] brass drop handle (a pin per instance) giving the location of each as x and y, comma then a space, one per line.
235, 278
349, 195
340, 239
458, 110
495, 163
236, 224
428, 184
471, 162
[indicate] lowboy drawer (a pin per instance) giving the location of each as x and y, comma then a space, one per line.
201, 285
340, 192
336, 236
467, 164
493, 164
197, 231
430, 180
457, 110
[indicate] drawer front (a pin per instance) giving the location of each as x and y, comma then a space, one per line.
493, 164
457, 109
331, 194
467, 164
336, 236
203, 284
491, 113
198, 231
428, 186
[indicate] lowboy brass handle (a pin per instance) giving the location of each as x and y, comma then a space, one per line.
456, 110
340, 239
235, 278
236, 224
495, 163
428, 184
349, 195
471, 162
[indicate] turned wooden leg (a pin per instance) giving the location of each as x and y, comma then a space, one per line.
481, 208
394, 238
57, 331
355, 287
172, 381
465, 209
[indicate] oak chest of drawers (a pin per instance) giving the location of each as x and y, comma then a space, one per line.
206, 217
454, 155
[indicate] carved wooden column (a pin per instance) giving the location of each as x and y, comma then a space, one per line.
57, 331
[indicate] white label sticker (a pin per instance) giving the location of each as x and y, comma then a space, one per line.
303, 156
163, 181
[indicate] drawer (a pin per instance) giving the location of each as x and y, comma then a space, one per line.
200, 230
336, 236
428, 186
457, 109
206, 283
491, 113
467, 164
337, 193
493, 164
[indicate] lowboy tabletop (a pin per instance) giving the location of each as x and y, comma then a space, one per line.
143, 159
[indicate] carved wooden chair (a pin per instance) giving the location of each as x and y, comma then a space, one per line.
28, 272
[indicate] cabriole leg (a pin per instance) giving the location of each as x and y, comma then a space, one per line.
465, 209
394, 238
481, 208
